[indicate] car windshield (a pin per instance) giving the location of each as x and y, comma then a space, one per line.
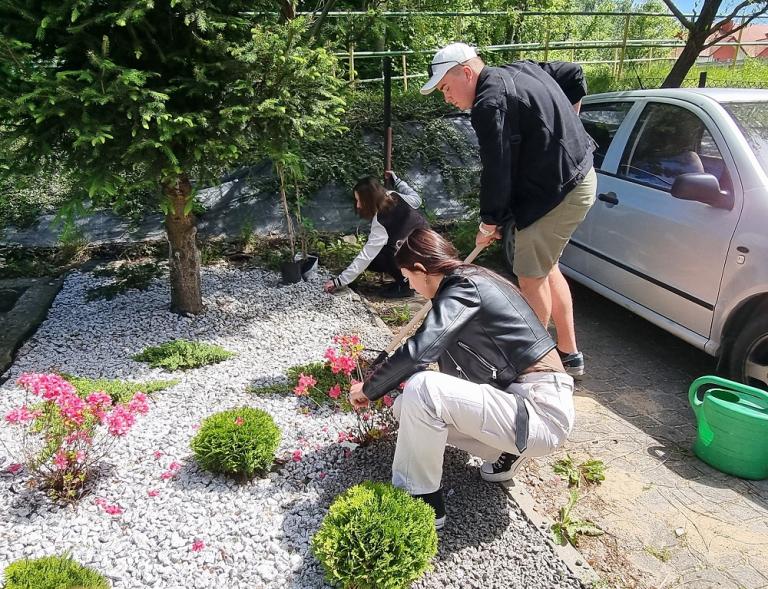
752, 118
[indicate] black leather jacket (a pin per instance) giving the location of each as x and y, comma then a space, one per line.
480, 328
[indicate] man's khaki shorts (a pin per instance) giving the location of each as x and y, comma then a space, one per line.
539, 246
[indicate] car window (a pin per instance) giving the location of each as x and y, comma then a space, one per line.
667, 141
752, 118
602, 121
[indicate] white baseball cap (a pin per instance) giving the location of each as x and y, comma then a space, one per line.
448, 57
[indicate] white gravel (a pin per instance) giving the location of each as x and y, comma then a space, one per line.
256, 534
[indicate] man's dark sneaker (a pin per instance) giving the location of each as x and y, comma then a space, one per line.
435, 501
503, 469
396, 290
574, 363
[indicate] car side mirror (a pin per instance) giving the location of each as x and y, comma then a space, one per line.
702, 188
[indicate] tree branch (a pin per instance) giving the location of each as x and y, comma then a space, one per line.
747, 21
734, 13
680, 16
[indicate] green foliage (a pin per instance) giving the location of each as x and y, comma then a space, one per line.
182, 354
127, 276
271, 389
376, 536
325, 378
592, 471
52, 572
397, 315
663, 554
337, 252
239, 442
121, 391
567, 528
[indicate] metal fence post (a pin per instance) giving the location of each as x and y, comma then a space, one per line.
546, 42
650, 59
702, 79
623, 45
405, 73
352, 64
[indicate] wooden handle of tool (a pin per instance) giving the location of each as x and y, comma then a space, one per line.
425, 309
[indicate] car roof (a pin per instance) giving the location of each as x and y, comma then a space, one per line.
697, 95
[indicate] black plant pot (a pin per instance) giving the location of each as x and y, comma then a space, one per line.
291, 272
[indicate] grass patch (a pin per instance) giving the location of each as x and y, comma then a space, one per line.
127, 276
270, 389
183, 354
121, 391
397, 316
663, 554
52, 572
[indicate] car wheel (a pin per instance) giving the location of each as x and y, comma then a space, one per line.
508, 244
748, 359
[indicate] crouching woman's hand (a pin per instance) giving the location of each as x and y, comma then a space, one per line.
356, 396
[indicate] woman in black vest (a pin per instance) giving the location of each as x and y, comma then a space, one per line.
394, 215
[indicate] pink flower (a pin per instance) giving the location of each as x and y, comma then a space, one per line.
99, 399
113, 509
71, 407
334, 392
343, 436
153, 492
119, 421
139, 404
296, 456
14, 468
22, 415
197, 545
174, 466
330, 354
80, 456
47, 386
196, 426
387, 400
157, 454
239, 420
78, 436
168, 474
60, 460
366, 416
322, 475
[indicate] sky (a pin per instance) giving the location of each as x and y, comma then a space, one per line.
687, 6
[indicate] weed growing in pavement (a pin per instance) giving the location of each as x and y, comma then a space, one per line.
568, 528
592, 471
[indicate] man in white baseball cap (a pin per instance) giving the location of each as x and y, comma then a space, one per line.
445, 59
537, 168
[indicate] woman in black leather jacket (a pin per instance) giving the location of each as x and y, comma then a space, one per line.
501, 393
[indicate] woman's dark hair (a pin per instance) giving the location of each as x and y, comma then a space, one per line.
373, 197
436, 254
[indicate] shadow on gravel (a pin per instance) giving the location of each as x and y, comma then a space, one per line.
478, 512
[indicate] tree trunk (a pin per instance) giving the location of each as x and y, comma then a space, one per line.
183, 255
686, 61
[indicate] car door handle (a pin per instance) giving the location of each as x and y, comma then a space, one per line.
609, 197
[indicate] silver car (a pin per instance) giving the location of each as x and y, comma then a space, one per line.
679, 233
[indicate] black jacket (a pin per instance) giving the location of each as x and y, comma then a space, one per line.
533, 147
480, 328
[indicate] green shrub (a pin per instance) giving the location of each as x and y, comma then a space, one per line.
376, 536
325, 380
271, 389
239, 442
52, 572
182, 354
121, 391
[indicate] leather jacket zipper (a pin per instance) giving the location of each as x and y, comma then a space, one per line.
458, 368
480, 359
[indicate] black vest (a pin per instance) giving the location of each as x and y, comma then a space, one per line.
400, 220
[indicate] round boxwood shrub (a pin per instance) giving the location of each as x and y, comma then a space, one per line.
52, 572
376, 536
239, 442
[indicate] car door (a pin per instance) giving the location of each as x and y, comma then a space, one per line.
602, 121
662, 252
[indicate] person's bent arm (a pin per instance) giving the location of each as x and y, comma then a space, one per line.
451, 311
570, 77
376, 241
496, 190
403, 189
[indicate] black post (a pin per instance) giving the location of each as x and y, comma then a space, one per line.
703, 80
387, 116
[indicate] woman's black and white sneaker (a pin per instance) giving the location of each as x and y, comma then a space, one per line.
435, 501
503, 469
573, 363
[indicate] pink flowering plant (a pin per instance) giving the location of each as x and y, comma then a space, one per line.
328, 383
65, 435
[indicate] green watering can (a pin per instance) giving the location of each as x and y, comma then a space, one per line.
733, 426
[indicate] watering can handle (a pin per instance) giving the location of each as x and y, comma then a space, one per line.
693, 391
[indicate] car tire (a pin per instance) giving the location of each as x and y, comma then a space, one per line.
748, 358
508, 245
